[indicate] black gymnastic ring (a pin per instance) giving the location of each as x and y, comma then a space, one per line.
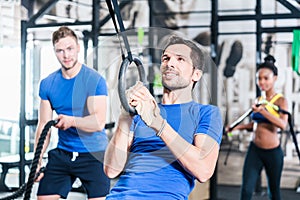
122, 81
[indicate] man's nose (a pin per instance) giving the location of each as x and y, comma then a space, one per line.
172, 62
66, 53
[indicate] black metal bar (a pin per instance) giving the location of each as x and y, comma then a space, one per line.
258, 61
95, 32
31, 122
258, 31
108, 16
289, 6
42, 11
86, 36
254, 17
238, 33
28, 4
181, 13
281, 16
188, 26
258, 37
151, 71
22, 117
280, 29
213, 192
77, 23
264, 30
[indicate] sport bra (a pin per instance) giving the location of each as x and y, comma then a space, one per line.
259, 118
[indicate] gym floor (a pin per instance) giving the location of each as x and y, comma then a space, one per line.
229, 176
230, 172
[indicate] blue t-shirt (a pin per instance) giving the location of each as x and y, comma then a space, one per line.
152, 172
69, 97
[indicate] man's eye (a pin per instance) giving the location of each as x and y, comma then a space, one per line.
180, 59
165, 59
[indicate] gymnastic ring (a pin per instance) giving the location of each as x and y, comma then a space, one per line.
122, 81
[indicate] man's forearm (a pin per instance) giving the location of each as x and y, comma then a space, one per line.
89, 123
116, 153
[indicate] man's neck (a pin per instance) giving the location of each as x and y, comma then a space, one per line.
71, 73
177, 96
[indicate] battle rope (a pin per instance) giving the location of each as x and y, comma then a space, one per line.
27, 187
126, 60
278, 109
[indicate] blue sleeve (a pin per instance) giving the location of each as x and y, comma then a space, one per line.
100, 88
43, 90
210, 123
46, 85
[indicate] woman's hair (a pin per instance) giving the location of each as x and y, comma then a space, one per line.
269, 64
63, 32
197, 54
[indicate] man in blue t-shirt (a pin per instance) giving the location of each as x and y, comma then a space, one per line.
159, 153
78, 95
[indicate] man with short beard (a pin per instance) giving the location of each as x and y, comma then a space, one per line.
160, 152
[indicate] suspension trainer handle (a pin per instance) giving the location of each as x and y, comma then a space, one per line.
249, 111
240, 119
278, 109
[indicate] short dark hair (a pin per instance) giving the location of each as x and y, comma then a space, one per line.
197, 54
269, 63
63, 32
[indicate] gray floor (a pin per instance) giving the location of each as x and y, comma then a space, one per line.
229, 176
230, 171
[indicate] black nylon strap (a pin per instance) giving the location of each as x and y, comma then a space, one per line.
117, 11
291, 124
111, 12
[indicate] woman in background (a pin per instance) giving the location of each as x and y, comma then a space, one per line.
264, 150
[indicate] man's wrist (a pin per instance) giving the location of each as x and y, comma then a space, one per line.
73, 121
162, 128
124, 122
157, 123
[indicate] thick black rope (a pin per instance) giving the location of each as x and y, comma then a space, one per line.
27, 187
32, 175
16, 194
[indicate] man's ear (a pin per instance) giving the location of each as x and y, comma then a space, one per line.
197, 74
78, 48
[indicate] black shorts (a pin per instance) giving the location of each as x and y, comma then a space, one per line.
64, 167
